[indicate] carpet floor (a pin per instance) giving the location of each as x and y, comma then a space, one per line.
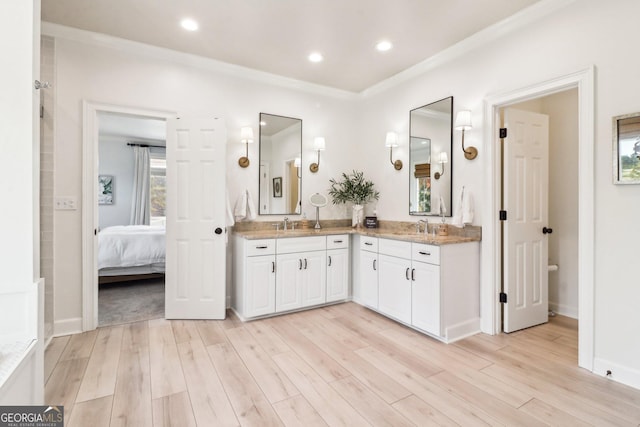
132, 301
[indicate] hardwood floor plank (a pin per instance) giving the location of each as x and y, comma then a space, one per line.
52, 354
166, 375
550, 415
173, 410
94, 413
132, 405
296, 411
79, 346
368, 404
249, 403
184, 330
208, 398
231, 321
268, 339
421, 413
314, 356
211, 332
64, 383
275, 385
100, 377
309, 321
135, 336
498, 409
332, 408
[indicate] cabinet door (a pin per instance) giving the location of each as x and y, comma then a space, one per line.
369, 278
394, 297
425, 301
337, 274
260, 292
314, 278
288, 278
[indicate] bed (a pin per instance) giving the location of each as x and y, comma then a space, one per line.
129, 252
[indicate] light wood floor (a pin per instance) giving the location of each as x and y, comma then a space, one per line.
340, 365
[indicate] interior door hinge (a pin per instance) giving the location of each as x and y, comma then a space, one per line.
503, 297
503, 215
503, 132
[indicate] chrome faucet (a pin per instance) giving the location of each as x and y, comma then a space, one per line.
286, 221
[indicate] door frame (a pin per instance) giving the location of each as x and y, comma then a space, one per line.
90, 199
491, 320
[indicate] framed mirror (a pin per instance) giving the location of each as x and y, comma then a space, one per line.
280, 180
626, 149
430, 159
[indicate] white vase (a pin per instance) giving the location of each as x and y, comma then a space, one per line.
356, 218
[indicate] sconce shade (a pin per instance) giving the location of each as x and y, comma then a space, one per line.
444, 157
297, 162
391, 140
463, 120
246, 135
319, 143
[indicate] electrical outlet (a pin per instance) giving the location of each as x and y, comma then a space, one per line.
65, 204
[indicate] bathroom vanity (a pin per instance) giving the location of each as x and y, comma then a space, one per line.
427, 283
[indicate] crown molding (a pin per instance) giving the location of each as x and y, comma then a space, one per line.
103, 40
525, 17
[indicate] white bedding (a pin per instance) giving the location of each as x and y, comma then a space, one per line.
130, 246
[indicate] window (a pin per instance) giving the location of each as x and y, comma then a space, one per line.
158, 188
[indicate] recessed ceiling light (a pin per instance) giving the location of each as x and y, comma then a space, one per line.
189, 24
384, 45
315, 57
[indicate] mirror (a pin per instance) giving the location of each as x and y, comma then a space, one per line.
318, 200
280, 180
430, 159
626, 149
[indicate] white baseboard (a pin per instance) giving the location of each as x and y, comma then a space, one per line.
462, 330
564, 310
228, 301
619, 373
67, 326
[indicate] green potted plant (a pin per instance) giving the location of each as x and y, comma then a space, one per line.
356, 189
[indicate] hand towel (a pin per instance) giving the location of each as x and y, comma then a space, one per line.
229, 220
467, 208
240, 210
456, 220
251, 207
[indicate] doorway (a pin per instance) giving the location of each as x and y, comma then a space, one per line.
583, 82
110, 211
131, 218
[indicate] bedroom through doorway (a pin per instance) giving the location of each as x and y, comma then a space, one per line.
131, 203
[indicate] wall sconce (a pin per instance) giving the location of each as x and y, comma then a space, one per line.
246, 137
444, 158
392, 141
297, 163
463, 122
318, 146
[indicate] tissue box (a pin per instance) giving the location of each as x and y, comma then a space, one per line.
371, 222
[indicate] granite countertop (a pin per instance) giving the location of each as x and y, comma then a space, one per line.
372, 232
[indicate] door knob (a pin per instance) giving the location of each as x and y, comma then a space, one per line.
218, 230
546, 230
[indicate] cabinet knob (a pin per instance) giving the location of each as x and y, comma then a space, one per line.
218, 230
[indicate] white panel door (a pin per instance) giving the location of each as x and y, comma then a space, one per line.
195, 267
369, 279
526, 199
394, 287
288, 282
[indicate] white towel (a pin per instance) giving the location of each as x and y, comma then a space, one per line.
245, 209
251, 207
467, 208
456, 220
229, 220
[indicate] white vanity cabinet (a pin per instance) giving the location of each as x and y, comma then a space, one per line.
368, 269
338, 274
394, 280
255, 271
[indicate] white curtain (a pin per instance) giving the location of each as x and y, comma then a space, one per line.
140, 205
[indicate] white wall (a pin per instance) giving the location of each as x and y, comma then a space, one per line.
115, 158
100, 74
585, 33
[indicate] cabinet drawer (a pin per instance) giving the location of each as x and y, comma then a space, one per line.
425, 253
339, 241
369, 243
396, 248
301, 244
261, 247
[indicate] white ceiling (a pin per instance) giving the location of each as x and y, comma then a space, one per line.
276, 36
140, 129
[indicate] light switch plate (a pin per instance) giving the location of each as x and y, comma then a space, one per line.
65, 204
